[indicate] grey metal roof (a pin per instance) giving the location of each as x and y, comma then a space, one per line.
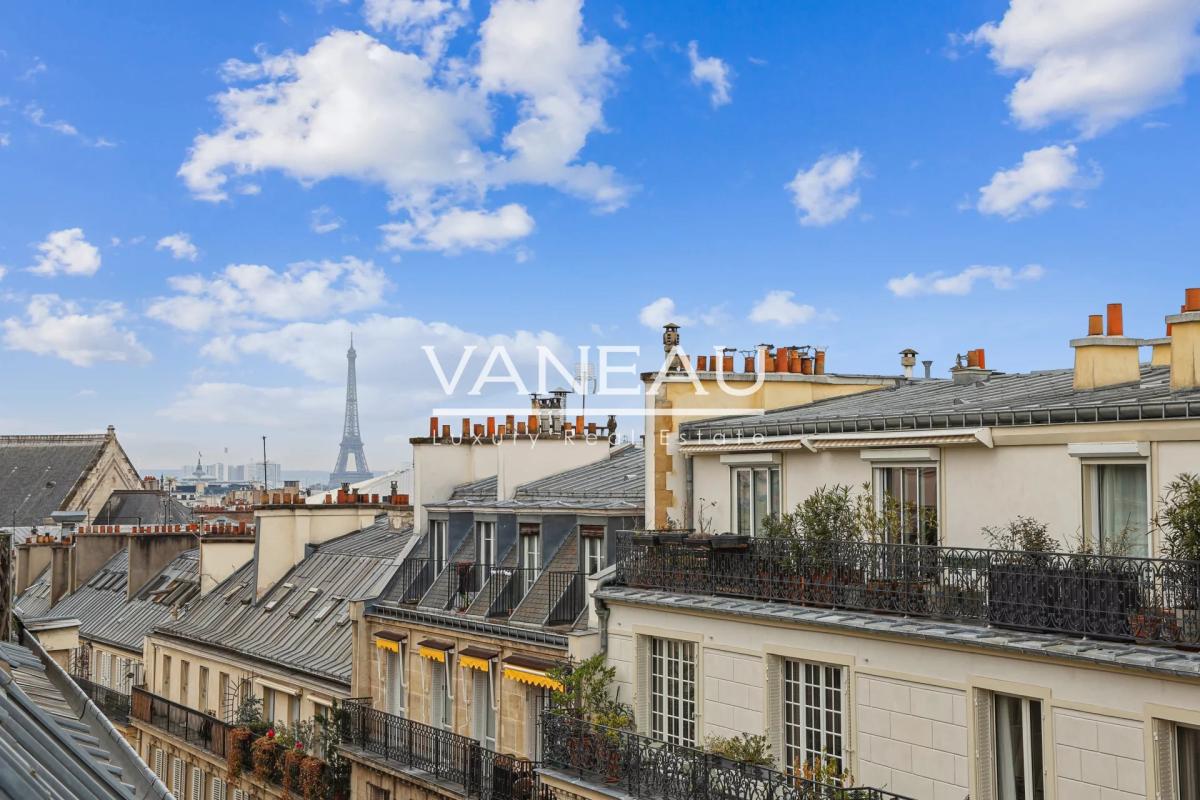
142, 507
303, 622
37, 473
1003, 399
616, 483
106, 615
1158, 660
482, 489
54, 743
35, 600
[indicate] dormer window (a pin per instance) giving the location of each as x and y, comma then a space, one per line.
485, 548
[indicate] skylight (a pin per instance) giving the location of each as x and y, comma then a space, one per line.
305, 602
279, 598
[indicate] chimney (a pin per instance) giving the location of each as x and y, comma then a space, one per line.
970, 367
908, 360
1185, 344
284, 535
149, 554
1106, 357
32, 559
928, 364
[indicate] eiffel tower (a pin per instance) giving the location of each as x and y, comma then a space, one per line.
352, 444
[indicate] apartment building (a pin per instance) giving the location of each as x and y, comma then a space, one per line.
266, 650
458, 651
912, 655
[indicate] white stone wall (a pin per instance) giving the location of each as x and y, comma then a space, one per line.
733, 694
1098, 756
912, 738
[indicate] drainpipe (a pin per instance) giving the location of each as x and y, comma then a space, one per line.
689, 480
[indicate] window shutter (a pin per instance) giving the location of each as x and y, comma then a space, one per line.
642, 684
197, 784
437, 695
216, 789
848, 738
774, 710
985, 746
1164, 759
176, 776
160, 763
479, 706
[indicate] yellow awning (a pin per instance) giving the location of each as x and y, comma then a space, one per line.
471, 662
431, 653
532, 677
388, 644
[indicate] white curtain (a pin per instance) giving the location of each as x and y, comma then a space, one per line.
1123, 512
1009, 757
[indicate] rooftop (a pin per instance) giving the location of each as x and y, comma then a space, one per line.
38, 473
143, 507
1000, 399
303, 622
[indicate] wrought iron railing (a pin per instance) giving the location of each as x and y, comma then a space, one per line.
648, 768
568, 597
193, 727
507, 589
415, 577
446, 756
1147, 600
114, 703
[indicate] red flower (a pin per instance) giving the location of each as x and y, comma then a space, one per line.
271, 733
299, 745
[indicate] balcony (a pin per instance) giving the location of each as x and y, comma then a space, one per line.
191, 726
113, 704
649, 769
1143, 600
440, 756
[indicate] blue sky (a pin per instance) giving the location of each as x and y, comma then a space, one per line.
198, 203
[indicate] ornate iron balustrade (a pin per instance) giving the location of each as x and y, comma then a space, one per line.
193, 727
446, 756
415, 578
507, 588
113, 703
1154, 601
648, 768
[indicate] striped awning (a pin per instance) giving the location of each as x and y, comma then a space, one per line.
479, 658
387, 640
434, 649
903, 441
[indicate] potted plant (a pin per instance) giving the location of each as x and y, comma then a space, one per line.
237, 750
1178, 522
741, 752
585, 696
264, 754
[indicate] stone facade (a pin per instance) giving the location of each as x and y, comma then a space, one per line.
1098, 756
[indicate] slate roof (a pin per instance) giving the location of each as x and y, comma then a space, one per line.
303, 623
37, 473
616, 483
1004, 399
54, 743
483, 489
106, 615
142, 507
1159, 660
35, 600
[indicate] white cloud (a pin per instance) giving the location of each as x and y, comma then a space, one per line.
1031, 186
180, 245
661, 311
37, 115
962, 283
713, 72
228, 403
3, 271
457, 230
779, 308
323, 220
824, 193
66, 252
56, 327
428, 23
424, 128
247, 295
1094, 63
5, 139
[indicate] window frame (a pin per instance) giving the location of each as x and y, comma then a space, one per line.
774, 496
797, 676
879, 493
530, 532
672, 710
1092, 501
485, 547
439, 545
1028, 749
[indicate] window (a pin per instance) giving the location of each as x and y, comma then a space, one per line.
202, 704
531, 553
228, 701
217, 789
1017, 748
1120, 514
485, 548
395, 683
185, 669
268, 704
813, 703
1187, 761
160, 763
592, 537
177, 772
908, 499
537, 700
441, 701
756, 497
437, 544
673, 691
484, 712
166, 677
105, 669
376, 793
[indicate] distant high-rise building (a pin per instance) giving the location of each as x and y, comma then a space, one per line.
352, 444
252, 472
236, 472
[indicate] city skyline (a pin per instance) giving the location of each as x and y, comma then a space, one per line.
184, 253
